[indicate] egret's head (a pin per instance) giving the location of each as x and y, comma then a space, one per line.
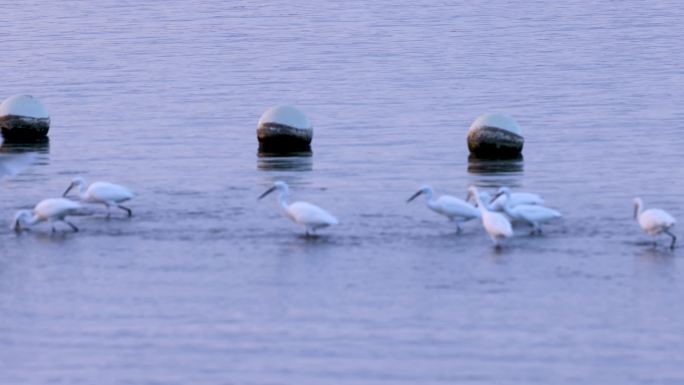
277, 185
280, 185
485, 196
21, 219
472, 191
425, 189
637, 206
76, 182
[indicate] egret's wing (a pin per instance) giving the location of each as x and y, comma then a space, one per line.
657, 218
309, 214
56, 206
110, 192
12, 164
536, 212
525, 198
457, 207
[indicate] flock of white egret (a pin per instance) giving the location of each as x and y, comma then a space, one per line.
53, 210
497, 213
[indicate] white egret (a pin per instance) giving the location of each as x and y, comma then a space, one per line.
108, 194
534, 215
12, 164
654, 221
49, 210
495, 224
516, 198
310, 216
456, 210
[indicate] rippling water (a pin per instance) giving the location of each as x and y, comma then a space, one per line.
206, 285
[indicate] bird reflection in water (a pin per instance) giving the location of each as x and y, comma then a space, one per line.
495, 166
288, 161
35, 152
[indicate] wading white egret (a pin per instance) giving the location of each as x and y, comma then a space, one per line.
310, 216
516, 198
534, 215
49, 210
654, 221
495, 224
108, 194
12, 164
456, 210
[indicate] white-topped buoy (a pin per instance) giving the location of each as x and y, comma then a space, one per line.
495, 136
23, 117
284, 129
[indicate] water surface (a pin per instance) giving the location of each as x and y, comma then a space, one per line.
206, 285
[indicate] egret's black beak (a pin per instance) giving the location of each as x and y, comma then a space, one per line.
414, 196
495, 197
68, 189
470, 195
267, 192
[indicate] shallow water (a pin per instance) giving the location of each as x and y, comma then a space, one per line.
206, 285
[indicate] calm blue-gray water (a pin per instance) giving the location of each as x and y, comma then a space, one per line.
205, 285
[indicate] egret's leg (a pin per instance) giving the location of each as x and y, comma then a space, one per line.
534, 228
458, 227
674, 239
109, 212
52, 224
129, 211
73, 227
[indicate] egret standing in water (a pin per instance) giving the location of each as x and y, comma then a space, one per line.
456, 210
108, 194
495, 224
654, 221
48, 210
310, 216
532, 214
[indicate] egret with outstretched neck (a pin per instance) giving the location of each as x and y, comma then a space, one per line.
108, 194
495, 224
306, 214
534, 215
654, 221
456, 210
49, 210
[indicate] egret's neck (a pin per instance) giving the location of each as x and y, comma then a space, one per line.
638, 209
25, 219
82, 190
282, 198
32, 220
429, 196
480, 205
507, 206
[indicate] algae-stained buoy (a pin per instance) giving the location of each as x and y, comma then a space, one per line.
284, 129
495, 136
23, 117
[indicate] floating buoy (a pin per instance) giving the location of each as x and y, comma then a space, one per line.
284, 129
495, 136
23, 117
